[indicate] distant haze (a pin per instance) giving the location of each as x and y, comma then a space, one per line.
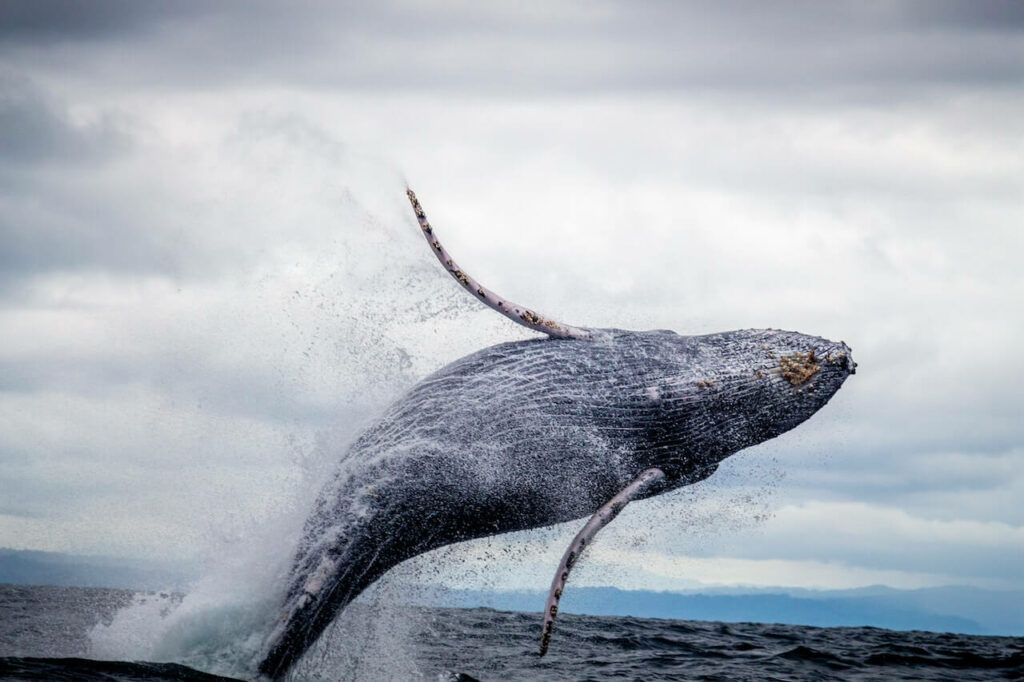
942, 609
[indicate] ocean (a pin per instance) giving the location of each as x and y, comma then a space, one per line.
47, 633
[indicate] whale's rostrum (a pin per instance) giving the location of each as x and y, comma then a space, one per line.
532, 433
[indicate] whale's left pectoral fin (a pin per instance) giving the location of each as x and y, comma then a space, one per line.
601, 518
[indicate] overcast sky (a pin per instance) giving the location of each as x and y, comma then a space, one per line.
210, 277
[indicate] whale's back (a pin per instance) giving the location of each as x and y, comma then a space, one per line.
529, 434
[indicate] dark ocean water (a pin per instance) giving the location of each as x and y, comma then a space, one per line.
44, 636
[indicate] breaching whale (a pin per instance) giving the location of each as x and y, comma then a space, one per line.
533, 433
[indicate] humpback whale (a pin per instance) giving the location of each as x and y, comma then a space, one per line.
532, 433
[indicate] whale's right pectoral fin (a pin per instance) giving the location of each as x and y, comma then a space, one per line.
513, 311
601, 518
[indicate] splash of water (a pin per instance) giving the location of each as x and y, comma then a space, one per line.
349, 302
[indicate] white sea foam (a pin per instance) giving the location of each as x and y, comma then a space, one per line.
354, 314
219, 624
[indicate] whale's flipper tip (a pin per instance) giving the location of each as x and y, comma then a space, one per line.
602, 517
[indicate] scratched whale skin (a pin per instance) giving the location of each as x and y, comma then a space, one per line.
528, 434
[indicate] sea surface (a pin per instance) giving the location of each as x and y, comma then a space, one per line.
45, 634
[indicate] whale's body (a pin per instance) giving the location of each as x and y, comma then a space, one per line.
532, 433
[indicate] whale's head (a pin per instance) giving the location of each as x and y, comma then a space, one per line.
710, 396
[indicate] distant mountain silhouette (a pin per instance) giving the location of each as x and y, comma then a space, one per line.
24, 567
949, 609
966, 610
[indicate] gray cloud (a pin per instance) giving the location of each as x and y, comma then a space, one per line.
35, 127
69, 20
809, 50
70, 232
86, 197
51, 217
887, 539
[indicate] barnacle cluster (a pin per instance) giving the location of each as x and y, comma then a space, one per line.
837, 360
798, 368
532, 318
